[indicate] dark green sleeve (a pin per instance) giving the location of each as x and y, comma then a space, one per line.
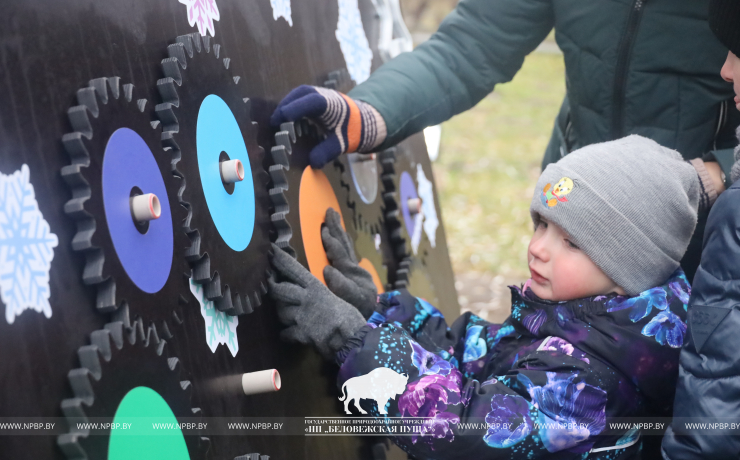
481, 43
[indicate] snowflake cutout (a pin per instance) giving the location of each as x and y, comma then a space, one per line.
426, 193
220, 327
202, 13
281, 8
26, 248
353, 41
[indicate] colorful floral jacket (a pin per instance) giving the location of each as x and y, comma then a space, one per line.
544, 384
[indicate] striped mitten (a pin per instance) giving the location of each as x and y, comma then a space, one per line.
351, 125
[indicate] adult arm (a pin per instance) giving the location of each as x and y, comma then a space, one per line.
479, 44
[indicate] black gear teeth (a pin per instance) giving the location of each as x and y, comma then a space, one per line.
186, 46
86, 97
177, 51
99, 84
167, 91
114, 86
128, 91
106, 343
171, 68
392, 210
79, 120
280, 151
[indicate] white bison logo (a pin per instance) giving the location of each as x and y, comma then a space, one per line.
380, 384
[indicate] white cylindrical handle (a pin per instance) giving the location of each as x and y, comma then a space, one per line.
146, 207
366, 156
414, 205
261, 382
232, 171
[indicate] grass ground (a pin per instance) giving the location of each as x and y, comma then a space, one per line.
489, 163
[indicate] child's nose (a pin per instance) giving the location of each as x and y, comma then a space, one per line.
538, 248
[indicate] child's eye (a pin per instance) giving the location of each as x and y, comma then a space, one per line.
542, 223
571, 244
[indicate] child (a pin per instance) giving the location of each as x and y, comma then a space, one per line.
594, 335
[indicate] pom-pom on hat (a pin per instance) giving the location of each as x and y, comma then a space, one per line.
630, 205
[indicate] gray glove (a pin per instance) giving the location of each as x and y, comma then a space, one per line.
314, 315
345, 278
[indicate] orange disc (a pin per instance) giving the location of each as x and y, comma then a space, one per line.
314, 198
367, 265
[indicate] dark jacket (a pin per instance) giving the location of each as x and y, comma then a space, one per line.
647, 67
509, 391
709, 374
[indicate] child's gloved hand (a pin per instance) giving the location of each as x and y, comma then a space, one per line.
314, 315
350, 125
344, 276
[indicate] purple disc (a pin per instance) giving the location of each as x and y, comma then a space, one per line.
407, 191
129, 163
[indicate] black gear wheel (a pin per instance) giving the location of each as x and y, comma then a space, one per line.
428, 273
371, 237
293, 142
196, 69
414, 275
394, 221
104, 107
118, 360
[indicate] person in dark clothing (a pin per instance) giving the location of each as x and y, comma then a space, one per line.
709, 376
593, 335
644, 67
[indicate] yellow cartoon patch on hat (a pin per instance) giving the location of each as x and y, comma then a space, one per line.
550, 197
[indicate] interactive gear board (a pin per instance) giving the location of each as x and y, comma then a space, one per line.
141, 187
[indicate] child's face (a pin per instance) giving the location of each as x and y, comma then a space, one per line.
560, 270
731, 73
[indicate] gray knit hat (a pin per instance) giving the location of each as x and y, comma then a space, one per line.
630, 205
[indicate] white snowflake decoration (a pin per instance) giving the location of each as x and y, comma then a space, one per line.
220, 327
26, 248
202, 13
281, 8
426, 193
353, 42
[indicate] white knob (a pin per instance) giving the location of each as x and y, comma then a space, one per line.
145, 207
261, 382
232, 171
414, 205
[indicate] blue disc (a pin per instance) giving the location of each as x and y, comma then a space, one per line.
129, 163
233, 214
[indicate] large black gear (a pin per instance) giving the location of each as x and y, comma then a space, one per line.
428, 273
118, 360
293, 142
196, 69
104, 108
371, 237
